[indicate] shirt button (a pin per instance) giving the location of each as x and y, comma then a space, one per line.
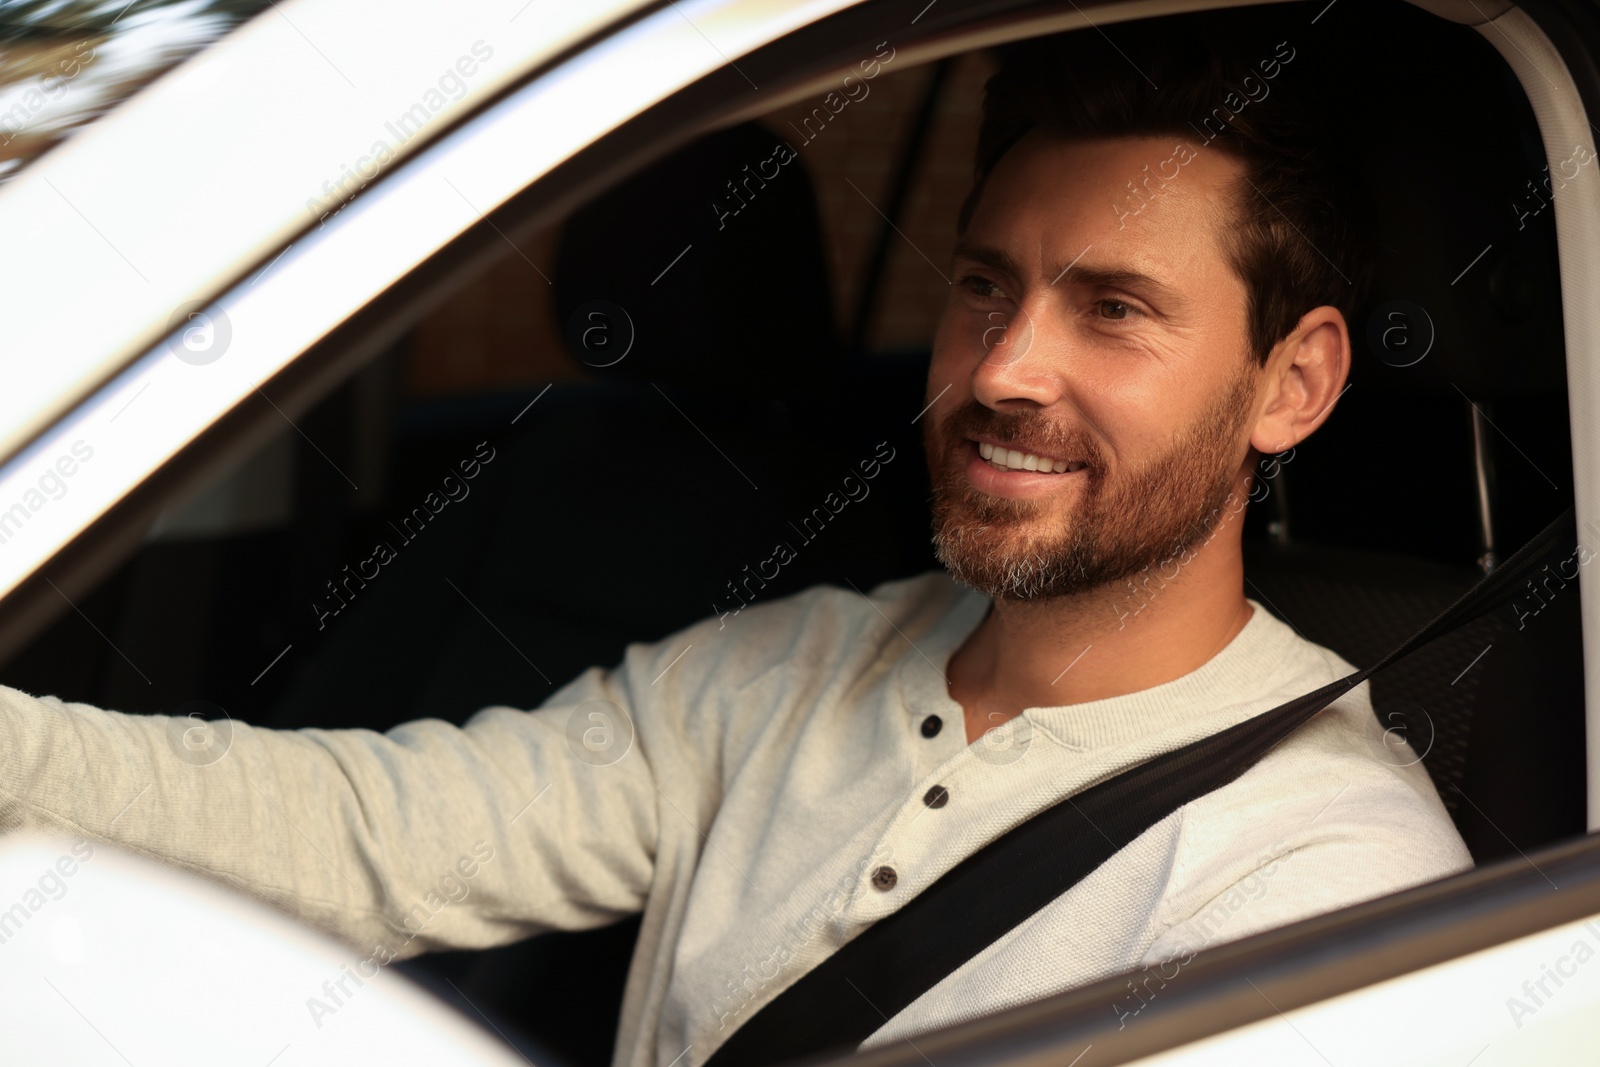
930, 726
884, 878
937, 797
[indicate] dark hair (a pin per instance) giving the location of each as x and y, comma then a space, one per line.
1304, 234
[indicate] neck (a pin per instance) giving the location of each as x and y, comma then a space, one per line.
1155, 627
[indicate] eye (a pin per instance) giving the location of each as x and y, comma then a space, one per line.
1112, 308
981, 287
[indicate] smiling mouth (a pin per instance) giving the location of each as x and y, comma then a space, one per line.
1009, 459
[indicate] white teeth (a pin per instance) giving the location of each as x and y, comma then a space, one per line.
1010, 459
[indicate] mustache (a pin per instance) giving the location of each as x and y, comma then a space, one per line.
1025, 431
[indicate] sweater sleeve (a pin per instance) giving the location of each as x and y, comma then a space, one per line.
426, 836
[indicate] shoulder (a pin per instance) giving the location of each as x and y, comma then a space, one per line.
1345, 753
1298, 665
817, 627
824, 628
1335, 815
918, 600
711, 689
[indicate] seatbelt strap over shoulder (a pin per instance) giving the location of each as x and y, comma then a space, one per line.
849, 995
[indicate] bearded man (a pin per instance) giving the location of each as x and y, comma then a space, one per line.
1103, 382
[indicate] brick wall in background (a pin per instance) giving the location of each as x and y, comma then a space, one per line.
862, 146
914, 292
499, 331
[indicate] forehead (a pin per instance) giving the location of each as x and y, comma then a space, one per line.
1160, 203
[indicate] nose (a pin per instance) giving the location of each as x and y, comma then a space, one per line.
1016, 371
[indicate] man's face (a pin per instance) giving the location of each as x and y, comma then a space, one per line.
1113, 344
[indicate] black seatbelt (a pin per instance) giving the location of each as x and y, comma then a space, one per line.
851, 994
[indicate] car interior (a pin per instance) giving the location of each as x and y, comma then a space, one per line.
622, 497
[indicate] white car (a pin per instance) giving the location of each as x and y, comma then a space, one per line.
279, 275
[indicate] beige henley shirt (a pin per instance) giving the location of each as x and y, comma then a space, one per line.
739, 782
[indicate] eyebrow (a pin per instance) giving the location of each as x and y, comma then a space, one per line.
1110, 276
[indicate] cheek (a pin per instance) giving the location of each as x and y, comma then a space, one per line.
1135, 417
950, 348
968, 335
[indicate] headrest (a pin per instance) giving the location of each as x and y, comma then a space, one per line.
714, 256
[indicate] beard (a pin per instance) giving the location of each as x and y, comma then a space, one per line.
1142, 517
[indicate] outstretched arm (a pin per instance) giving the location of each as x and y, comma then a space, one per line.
426, 836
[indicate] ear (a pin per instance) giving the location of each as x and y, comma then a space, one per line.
1304, 377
